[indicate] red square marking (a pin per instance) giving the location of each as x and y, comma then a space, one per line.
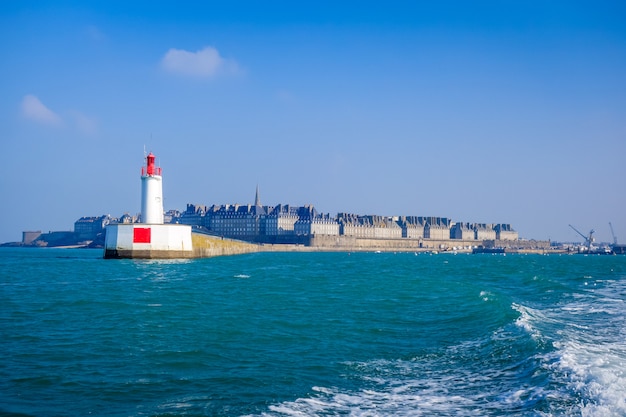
141, 235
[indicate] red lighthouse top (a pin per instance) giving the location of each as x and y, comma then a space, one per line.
150, 170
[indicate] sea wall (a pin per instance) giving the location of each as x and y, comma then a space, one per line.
351, 243
207, 246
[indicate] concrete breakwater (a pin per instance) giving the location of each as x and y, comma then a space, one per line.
205, 246
352, 243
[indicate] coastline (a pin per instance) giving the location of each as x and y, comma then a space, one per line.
206, 246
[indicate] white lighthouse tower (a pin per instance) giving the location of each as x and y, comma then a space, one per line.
151, 192
150, 238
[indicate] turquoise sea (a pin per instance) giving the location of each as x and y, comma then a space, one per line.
312, 334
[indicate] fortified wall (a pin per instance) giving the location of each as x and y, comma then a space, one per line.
352, 243
207, 246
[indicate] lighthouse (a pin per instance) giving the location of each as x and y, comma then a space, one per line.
151, 192
153, 239
150, 238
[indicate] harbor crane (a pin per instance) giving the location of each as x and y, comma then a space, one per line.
588, 239
613, 233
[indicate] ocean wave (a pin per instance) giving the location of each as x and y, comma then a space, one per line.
596, 373
547, 363
588, 339
496, 375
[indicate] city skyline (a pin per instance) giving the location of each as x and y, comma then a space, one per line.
486, 112
194, 212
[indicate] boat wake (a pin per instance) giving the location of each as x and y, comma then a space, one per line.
549, 362
494, 376
588, 339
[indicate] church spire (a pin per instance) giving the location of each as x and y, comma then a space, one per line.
257, 198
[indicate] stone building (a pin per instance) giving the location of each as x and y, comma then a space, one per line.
385, 227
235, 221
324, 225
505, 232
87, 228
317, 224
370, 227
462, 231
281, 220
171, 215
437, 228
193, 215
484, 231
412, 227
353, 225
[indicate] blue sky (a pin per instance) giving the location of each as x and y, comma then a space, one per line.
480, 111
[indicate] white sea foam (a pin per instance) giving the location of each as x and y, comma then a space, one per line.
527, 319
597, 373
486, 295
430, 396
589, 339
452, 382
577, 369
377, 403
594, 356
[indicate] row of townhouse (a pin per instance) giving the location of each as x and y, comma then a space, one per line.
279, 223
249, 222
482, 231
372, 227
322, 224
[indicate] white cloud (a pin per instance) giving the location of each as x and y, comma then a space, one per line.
34, 109
84, 124
206, 62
